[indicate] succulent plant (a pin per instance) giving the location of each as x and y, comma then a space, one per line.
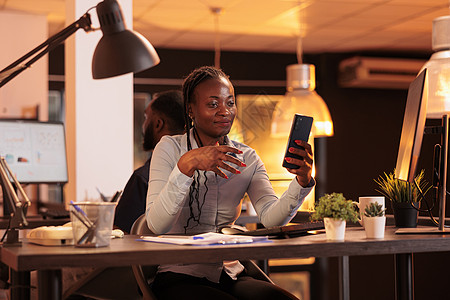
335, 206
374, 210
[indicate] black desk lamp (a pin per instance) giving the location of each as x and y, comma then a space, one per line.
118, 52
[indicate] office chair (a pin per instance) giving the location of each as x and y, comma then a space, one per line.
145, 274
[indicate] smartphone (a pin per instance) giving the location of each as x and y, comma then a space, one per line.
300, 129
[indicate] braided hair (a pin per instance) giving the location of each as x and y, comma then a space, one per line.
190, 83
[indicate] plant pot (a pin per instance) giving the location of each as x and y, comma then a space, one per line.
374, 227
405, 215
334, 229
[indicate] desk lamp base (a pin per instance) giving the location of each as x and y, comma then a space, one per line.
12, 238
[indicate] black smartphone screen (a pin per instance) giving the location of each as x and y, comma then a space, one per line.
300, 129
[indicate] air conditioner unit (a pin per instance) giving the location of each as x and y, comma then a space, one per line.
383, 73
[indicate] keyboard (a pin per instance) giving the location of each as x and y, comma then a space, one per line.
286, 231
54, 212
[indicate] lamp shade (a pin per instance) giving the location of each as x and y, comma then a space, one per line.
120, 50
439, 69
301, 98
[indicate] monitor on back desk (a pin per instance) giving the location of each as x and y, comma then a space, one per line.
35, 151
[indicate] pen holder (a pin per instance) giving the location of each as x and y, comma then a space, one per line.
92, 223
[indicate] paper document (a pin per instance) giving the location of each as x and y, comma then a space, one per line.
209, 238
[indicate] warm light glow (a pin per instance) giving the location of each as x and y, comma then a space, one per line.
303, 102
235, 133
438, 84
443, 83
253, 127
324, 128
438, 69
291, 261
308, 203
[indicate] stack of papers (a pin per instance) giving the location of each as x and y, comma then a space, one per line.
209, 238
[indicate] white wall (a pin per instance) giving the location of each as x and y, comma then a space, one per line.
99, 115
20, 33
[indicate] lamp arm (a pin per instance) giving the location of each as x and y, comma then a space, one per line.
14, 69
18, 218
9, 187
6, 189
16, 182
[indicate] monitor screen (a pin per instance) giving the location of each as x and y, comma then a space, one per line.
413, 128
34, 151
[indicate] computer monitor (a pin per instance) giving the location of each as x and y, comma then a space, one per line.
410, 145
35, 151
413, 128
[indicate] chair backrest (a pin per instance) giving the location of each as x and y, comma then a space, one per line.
140, 226
143, 273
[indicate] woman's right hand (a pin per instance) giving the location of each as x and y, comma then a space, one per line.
210, 158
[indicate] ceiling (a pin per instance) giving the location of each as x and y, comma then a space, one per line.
272, 25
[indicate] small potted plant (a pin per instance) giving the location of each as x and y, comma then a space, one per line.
335, 210
374, 221
404, 196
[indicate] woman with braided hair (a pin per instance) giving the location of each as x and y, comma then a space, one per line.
197, 182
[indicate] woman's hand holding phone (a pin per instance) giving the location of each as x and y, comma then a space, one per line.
303, 165
298, 159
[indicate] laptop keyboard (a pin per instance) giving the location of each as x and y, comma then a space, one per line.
290, 230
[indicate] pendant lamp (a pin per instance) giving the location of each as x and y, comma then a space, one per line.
439, 69
301, 98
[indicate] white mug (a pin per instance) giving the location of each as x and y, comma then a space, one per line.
366, 201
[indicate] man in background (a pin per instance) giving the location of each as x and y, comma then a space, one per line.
163, 116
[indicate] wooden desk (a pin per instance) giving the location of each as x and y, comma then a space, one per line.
127, 251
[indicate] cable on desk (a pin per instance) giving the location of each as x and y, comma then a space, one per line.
428, 209
6, 231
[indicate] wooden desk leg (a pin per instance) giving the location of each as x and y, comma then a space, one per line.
20, 285
49, 284
404, 277
344, 278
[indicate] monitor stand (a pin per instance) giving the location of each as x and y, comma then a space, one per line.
442, 188
423, 230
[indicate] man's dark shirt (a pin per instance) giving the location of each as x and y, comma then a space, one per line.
134, 197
